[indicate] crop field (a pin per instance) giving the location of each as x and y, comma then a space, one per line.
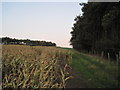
35, 66
51, 67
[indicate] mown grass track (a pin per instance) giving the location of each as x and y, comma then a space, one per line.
93, 72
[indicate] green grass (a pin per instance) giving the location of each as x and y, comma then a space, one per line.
99, 73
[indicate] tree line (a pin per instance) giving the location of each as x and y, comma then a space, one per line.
97, 30
7, 40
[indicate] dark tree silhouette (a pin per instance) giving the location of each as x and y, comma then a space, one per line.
7, 40
98, 29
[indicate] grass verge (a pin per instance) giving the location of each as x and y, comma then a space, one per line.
99, 73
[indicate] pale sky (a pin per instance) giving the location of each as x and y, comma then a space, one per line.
49, 21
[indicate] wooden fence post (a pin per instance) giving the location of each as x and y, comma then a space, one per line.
102, 54
119, 55
117, 58
109, 56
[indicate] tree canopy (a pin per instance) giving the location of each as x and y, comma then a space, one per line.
7, 40
98, 28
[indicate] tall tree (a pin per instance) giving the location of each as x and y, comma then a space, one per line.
98, 28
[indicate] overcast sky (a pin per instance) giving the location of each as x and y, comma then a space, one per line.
49, 21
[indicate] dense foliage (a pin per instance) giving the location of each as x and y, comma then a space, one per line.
97, 29
7, 40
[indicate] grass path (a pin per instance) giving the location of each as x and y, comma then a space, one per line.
92, 72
